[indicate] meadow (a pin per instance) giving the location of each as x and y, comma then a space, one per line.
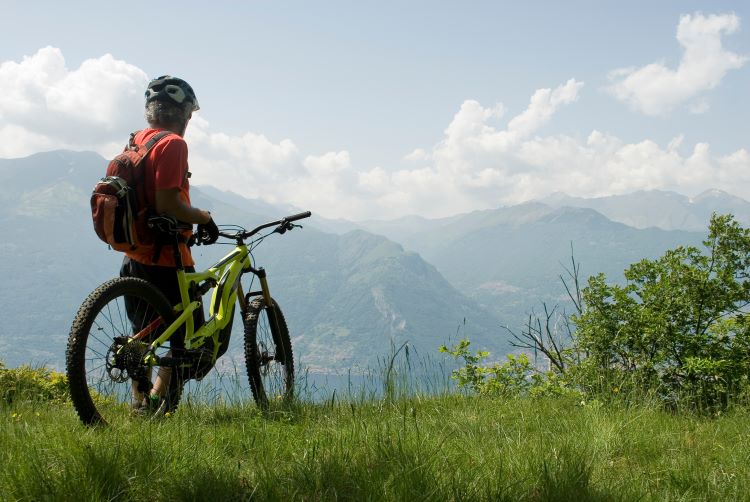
447, 447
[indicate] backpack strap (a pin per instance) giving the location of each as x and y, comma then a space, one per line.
154, 140
148, 146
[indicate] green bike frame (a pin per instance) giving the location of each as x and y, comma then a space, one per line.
224, 277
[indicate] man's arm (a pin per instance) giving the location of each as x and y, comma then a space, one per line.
169, 201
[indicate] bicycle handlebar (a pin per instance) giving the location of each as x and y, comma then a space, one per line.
300, 216
282, 221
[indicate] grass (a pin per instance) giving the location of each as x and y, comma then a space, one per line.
439, 448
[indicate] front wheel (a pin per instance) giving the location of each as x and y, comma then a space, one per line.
107, 342
268, 353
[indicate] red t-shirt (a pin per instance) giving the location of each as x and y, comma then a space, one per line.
165, 168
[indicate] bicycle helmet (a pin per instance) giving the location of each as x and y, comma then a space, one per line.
168, 88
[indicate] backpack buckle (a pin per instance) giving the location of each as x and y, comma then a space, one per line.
118, 184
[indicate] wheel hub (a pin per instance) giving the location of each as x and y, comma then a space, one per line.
125, 359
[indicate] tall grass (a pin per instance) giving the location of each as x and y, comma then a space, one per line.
398, 432
415, 448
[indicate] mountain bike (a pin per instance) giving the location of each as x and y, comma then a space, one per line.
124, 335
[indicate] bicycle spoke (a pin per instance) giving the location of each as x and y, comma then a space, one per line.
122, 321
92, 370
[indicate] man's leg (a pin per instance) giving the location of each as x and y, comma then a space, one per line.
165, 279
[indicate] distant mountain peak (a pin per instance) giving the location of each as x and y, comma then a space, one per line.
580, 214
66, 156
668, 210
712, 193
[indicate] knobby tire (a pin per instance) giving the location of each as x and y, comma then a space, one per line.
268, 355
96, 396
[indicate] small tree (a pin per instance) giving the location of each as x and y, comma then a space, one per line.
679, 326
552, 335
508, 379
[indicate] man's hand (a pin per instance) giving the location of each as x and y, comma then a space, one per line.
207, 233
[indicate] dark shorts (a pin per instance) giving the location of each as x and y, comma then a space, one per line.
165, 279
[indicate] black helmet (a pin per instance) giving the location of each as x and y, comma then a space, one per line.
168, 88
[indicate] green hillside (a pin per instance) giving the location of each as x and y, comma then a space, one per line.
510, 259
345, 292
346, 297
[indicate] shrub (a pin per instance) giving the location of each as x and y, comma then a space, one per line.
678, 329
25, 383
679, 326
515, 377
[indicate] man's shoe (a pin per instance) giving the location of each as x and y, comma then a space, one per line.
152, 406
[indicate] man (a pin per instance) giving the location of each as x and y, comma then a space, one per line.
170, 103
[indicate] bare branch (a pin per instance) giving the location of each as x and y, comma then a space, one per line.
573, 274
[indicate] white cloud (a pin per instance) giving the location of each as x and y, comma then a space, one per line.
478, 165
256, 167
16, 141
417, 155
543, 104
484, 159
329, 164
463, 174
44, 105
246, 164
656, 89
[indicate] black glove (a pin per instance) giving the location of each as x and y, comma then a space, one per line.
207, 233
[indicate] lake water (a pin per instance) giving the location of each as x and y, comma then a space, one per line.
229, 383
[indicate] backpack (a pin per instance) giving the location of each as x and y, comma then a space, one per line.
118, 201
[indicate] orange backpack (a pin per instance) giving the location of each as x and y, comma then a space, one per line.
118, 202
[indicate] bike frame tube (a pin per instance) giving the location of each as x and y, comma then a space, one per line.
224, 277
226, 273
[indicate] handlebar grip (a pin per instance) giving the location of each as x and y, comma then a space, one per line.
299, 216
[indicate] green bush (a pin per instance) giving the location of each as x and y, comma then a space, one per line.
513, 378
25, 383
678, 327
678, 330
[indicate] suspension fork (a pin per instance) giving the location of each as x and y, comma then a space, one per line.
271, 312
265, 292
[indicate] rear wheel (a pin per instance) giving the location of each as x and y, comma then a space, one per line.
268, 354
107, 341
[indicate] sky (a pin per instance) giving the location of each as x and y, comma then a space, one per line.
377, 110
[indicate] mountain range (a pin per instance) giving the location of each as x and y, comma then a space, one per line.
350, 290
661, 209
347, 298
511, 259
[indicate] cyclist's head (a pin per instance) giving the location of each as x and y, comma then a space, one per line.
172, 90
170, 102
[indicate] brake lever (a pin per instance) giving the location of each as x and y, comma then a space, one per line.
287, 225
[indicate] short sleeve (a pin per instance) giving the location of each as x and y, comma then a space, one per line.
171, 163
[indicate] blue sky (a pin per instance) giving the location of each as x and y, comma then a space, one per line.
392, 108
